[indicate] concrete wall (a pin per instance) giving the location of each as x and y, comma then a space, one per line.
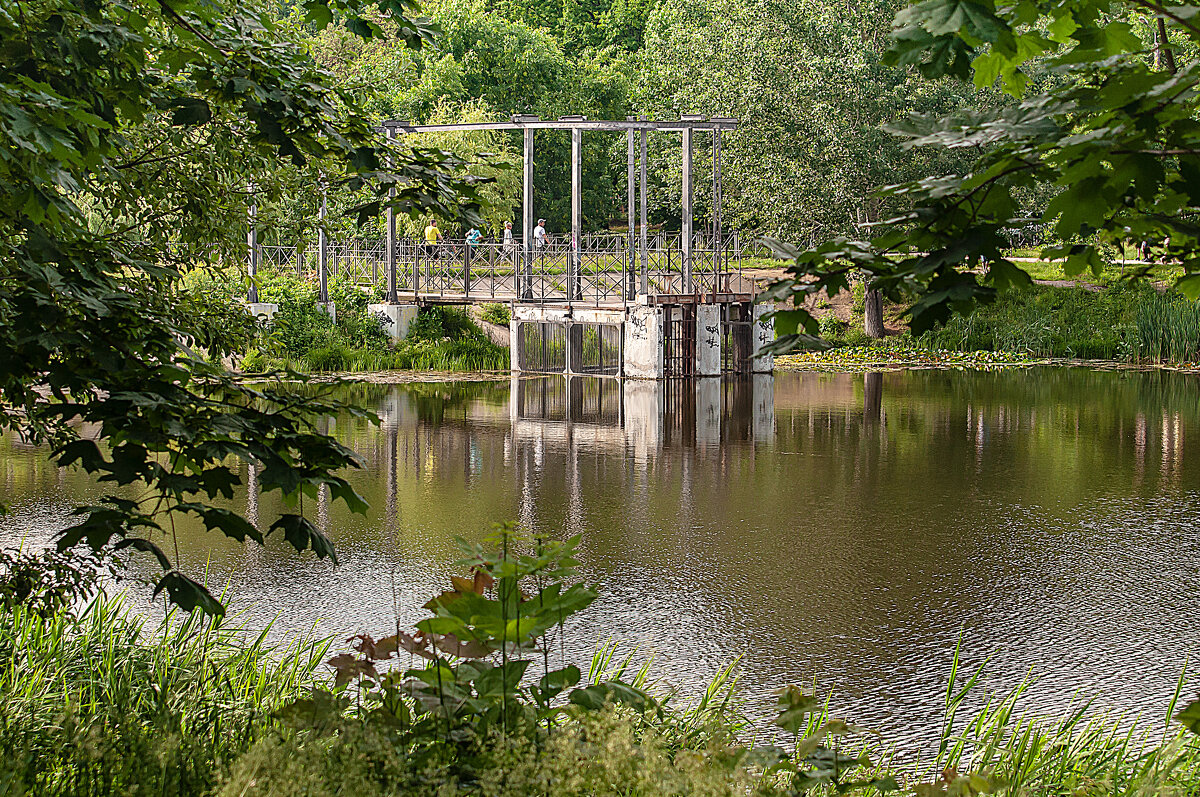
644, 342
708, 340
398, 317
263, 311
763, 333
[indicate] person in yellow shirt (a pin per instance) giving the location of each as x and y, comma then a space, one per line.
432, 236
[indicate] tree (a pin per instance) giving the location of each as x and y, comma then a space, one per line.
132, 131
805, 81
484, 60
1111, 137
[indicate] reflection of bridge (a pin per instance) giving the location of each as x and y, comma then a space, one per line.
673, 306
643, 417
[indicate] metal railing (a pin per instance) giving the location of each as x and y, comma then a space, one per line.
603, 270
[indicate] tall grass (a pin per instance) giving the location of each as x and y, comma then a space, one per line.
1168, 330
105, 705
1049, 322
1077, 753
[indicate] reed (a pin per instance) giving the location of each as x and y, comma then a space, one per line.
102, 704
1168, 330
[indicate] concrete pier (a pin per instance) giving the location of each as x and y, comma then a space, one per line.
642, 340
263, 311
397, 318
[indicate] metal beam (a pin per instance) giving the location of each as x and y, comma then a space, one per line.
252, 252
525, 290
718, 245
322, 251
574, 289
392, 297
631, 218
698, 123
686, 236
644, 243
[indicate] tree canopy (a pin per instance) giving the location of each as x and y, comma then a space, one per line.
135, 134
1103, 120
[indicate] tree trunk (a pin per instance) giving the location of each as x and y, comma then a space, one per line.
873, 314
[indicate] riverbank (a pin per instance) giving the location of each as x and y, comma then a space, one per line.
1120, 325
105, 705
901, 353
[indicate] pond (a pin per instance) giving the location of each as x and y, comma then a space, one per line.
843, 531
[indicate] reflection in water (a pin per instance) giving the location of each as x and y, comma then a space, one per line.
839, 527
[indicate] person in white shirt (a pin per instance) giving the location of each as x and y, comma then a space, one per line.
508, 239
539, 234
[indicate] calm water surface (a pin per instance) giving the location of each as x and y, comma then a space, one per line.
836, 529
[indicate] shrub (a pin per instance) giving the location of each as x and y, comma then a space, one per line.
832, 328
495, 313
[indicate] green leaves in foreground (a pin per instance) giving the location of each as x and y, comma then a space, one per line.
1104, 158
131, 132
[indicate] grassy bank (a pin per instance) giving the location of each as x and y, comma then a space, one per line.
305, 338
1125, 322
472, 703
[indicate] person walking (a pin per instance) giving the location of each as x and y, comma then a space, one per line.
474, 236
539, 235
432, 236
508, 237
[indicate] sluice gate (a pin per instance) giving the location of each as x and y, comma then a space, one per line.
647, 340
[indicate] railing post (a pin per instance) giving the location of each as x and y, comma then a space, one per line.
574, 264
630, 291
419, 251
467, 251
686, 242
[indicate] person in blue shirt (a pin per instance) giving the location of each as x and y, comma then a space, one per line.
474, 236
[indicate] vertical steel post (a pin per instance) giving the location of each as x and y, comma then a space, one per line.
630, 288
718, 243
322, 251
686, 239
525, 290
392, 297
252, 251
574, 292
643, 243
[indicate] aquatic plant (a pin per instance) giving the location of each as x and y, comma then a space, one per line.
103, 704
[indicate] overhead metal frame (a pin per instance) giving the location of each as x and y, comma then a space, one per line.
633, 128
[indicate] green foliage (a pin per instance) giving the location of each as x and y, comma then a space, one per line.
479, 699
805, 81
49, 583
131, 132
1103, 121
304, 337
495, 313
858, 295
103, 705
1050, 322
1168, 330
